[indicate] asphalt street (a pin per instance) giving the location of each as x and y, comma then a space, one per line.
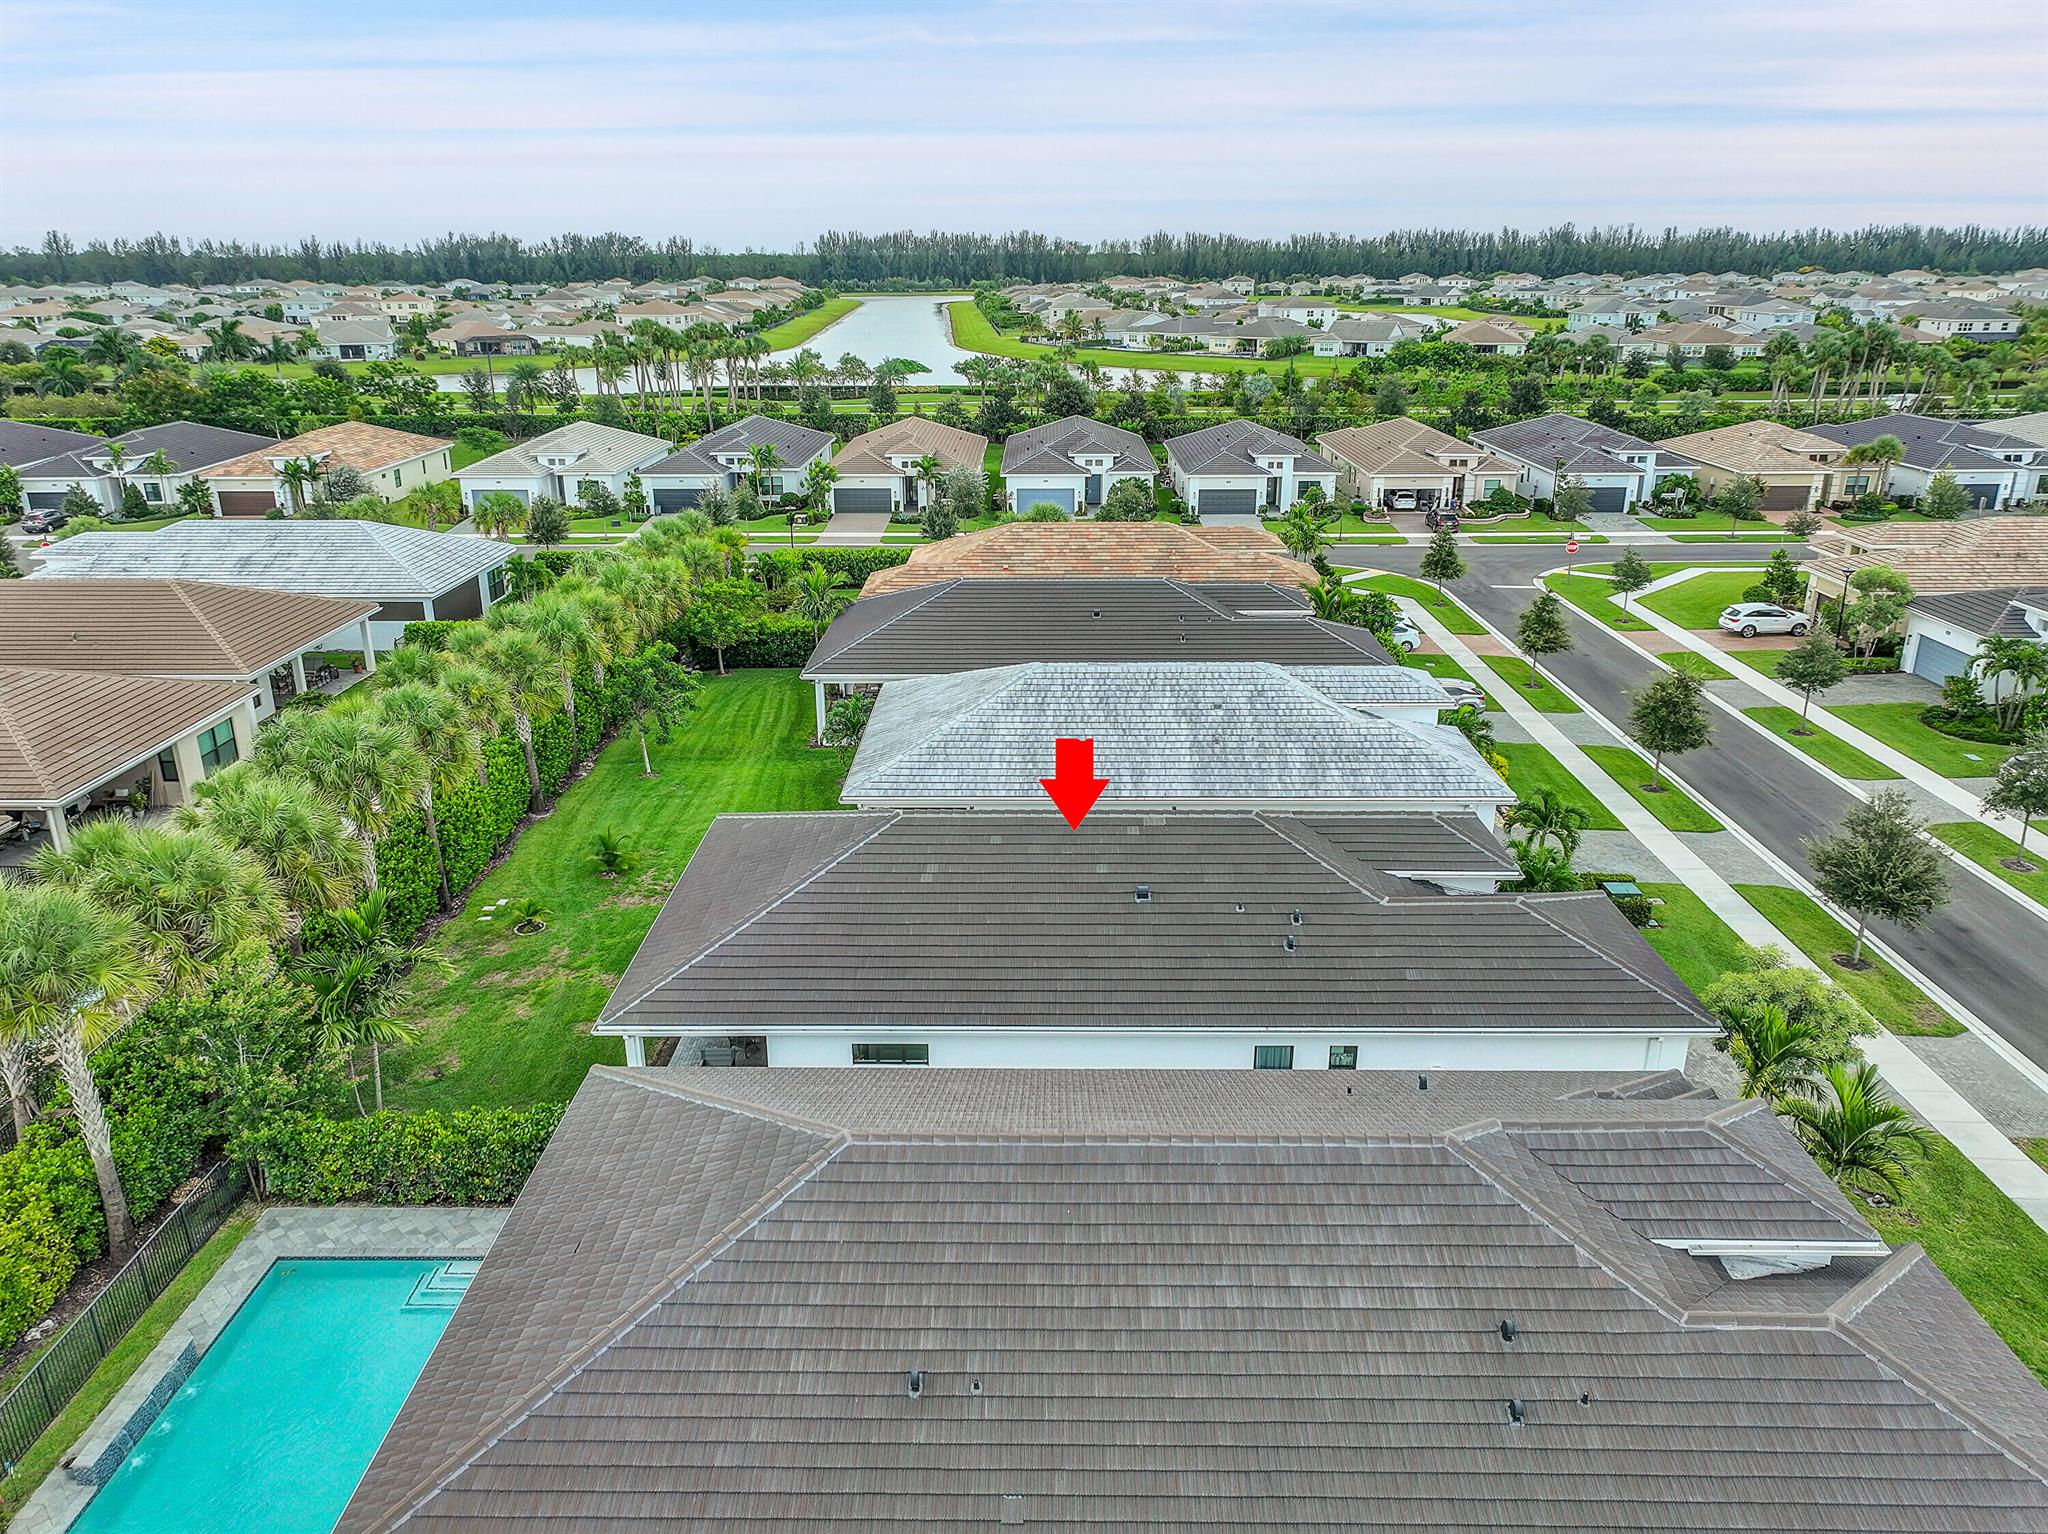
1985, 949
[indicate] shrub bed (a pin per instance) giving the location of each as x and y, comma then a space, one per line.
475, 1156
1981, 728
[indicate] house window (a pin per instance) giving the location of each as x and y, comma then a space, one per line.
152, 491
217, 747
1856, 484
1343, 1057
167, 766
397, 476
892, 1054
1273, 1057
494, 582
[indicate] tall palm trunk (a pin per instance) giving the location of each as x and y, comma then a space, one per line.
440, 854
369, 862
17, 1070
522, 726
377, 1073
69, 1047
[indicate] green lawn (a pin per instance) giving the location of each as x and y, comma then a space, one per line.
1590, 595
116, 1368
1513, 670
1983, 1241
1695, 664
1697, 603
461, 455
1531, 769
1677, 810
1984, 846
1705, 522
511, 1024
1898, 726
1724, 537
1765, 661
972, 331
1523, 522
1692, 939
799, 330
1444, 609
1438, 664
1831, 751
1888, 995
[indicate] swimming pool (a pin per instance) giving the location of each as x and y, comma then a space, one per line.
280, 1418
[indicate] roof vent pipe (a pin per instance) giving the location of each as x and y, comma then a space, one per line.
1507, 1329
1422, 1083
915, 1382
1515, 1412
1144, 893
1288, 944
1295, 919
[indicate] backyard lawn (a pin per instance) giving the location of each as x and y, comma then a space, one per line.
1832, 752
1677, 810
1692, 939
1898, 726
1513, 670
1985, 847
1885, 993
1531, 769
1697, 603
1445, 610
510, 1024
799, 330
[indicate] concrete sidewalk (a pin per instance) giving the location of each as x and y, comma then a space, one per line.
1917, 1083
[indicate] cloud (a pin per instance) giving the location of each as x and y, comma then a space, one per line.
765, 124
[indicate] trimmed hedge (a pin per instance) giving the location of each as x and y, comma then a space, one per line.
474, 1156
779, 640
431, 633
854, 565
1982, 730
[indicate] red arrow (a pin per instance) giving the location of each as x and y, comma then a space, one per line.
1073, 786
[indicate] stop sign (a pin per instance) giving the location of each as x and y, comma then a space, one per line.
1571, 545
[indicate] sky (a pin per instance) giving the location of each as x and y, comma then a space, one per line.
759, 125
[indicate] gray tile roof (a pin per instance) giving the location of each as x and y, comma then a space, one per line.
605, 450
1052, 448
1994, 610
1585, 446
186, 444
22, 443
967, 625
1931, 443
1231, 447
330, 559
954, 919
1182, 1301
794, 444
1184, 733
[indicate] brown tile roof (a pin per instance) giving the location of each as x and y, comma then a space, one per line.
914, 435
1403, 446
1758, 447
1064, 550
162, 627
355, 443
63, 731
1941, 556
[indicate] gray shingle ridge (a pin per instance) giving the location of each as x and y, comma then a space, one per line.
883, 819
931, 593
1681, 996
1315, 846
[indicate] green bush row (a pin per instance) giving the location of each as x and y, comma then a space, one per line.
474, 1156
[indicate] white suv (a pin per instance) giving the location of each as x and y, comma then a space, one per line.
1750, 619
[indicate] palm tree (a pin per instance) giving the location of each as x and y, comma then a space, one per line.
282, 825
1547, 815
1775, 1054
1304, 530
363, 766
439, 731
763, 461
1883, 451
356, 980
529, 676
60, 372
299, 475
1332, 600
192, 899
2024, 663
282, 349
1861, 1138
928, 471
226, 343
1828, 350
68, 969
111, 348
117, 464
556, 620
820, 596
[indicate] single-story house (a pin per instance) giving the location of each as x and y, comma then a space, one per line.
1304, 311
24, 442
483, 338
1174, 735
1489, 338
1991, 467
1953, 319
725, 457
1163, 941
1374, 335
1974, 554
188, 449
1081, 550
411, 574
1799, 470
1071, 464
878, 469
72, 742
1945, 630
194, 630
1691, 338
1244, 468
392, 463
762, 1300
1619, 471
354, 340
1423, 467
558, 462
968, 624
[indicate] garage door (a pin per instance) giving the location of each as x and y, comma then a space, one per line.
863, 500
1982, 495
1609, 498
1786, 497
676, 500
1059, 500
247, 503
45, 500
1228, 503
1938, 662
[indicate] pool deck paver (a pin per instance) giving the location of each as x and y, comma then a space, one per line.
280, 1234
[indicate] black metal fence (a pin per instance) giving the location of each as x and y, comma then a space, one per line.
50, 1383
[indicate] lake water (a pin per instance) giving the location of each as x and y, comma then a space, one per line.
911, 326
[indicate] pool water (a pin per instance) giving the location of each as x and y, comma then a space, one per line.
282, 1415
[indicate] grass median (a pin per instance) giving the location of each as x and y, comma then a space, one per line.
1832, 752
1444, 609
1990, 849
1673, 807
1697, 603
1590, 595
1885, 993
1544, 696
1532, 769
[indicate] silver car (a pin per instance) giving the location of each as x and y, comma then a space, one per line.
1750, 619
1464, 694
1404, 634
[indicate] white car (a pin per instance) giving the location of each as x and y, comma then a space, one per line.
1750, 619
1464, 694
1404, 634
